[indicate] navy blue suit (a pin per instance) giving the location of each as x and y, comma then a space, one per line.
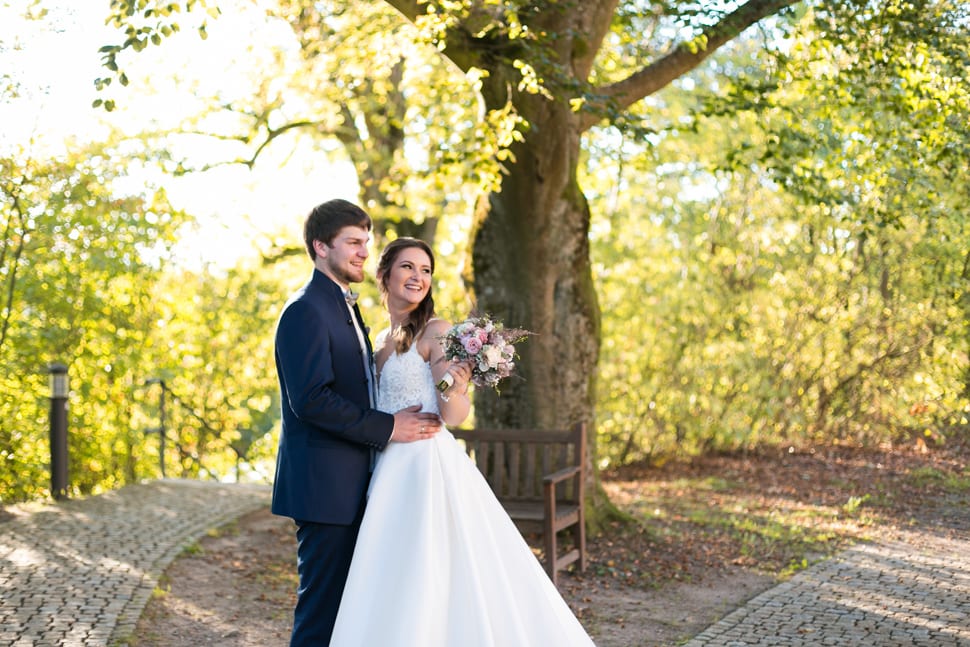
328, 436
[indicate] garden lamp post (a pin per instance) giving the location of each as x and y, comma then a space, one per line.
58, 429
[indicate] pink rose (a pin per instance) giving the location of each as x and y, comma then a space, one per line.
472, 345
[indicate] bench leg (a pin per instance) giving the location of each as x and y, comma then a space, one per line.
579, 536
551, 555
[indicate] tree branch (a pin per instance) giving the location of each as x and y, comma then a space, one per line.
595, 25
685, 57
15, 261
410, 9
456, 47
271, 134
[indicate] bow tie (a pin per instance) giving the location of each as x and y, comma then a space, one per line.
351, 296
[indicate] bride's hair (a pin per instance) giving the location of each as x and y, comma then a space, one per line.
418, 317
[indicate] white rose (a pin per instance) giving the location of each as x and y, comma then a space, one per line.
493, 355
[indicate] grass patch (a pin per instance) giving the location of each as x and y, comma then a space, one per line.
195, 548
783, 540
957, 483
925, 476
928, 476
163, 587
230, 529
852, 506
718, 521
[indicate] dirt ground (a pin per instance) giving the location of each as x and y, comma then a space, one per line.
237, 589
649, 584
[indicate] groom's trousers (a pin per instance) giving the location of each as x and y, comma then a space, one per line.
324, 552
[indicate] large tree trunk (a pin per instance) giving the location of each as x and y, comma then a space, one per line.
530, 254
530, 262
530, 268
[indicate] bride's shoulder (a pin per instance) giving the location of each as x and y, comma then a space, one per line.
429, 341
435, 327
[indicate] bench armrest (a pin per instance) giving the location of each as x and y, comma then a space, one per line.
560, 475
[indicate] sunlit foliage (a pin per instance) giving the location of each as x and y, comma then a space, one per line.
77, 288
807, 256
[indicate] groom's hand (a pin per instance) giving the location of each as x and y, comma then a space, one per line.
413, 424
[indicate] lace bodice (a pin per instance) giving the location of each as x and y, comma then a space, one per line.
406, 380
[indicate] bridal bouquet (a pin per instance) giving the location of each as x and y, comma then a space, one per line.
488, 344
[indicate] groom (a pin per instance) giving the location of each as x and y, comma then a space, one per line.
330, 430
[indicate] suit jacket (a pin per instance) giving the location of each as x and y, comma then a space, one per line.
329, 428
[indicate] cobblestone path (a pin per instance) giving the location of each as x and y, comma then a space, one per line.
78, 573
912, 592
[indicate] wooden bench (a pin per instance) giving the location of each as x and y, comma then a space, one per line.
539, 476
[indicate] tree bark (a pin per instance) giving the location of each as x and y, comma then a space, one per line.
530, 254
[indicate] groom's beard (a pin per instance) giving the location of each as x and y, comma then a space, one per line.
345, 275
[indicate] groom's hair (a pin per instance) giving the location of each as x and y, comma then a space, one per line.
327, 219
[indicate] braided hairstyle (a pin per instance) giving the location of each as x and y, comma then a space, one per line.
405, 335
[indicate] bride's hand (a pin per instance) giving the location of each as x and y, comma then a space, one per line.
461, 374
454, 403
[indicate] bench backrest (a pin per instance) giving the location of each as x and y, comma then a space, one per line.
514, 461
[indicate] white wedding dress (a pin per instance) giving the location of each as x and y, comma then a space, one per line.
438, 562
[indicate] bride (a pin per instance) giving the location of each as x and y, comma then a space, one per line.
438, 562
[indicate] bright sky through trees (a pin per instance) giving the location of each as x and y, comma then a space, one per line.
55, 60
